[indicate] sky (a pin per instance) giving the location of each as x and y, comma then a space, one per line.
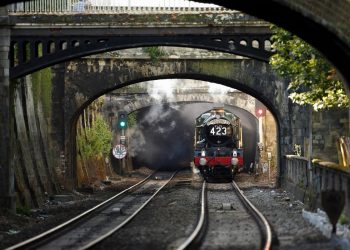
150, 3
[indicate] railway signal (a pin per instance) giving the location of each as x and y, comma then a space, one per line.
260, 112
122, 120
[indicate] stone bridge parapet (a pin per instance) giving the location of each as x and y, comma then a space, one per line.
139, 101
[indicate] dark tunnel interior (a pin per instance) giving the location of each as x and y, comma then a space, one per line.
164, 135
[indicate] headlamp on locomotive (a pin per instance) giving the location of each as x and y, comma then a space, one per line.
218, 144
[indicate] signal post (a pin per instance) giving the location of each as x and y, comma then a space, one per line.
120, 149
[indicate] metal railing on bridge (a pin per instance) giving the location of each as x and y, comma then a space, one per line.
111, 6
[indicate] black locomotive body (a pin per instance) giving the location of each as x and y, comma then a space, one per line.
218, 149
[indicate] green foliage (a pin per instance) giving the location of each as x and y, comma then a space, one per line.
155, 53
95, 141
313, 80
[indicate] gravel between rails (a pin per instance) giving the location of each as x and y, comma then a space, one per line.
179, 201
285, 215
230, 225
165, 222
17, 228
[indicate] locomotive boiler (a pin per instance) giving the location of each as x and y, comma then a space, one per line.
218, 149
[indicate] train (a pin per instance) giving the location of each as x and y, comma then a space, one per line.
218, 144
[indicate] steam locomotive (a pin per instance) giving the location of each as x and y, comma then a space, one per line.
218, 150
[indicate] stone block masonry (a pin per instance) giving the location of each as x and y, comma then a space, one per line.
6, 168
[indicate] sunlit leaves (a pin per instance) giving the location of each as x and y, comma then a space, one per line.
96, 141
313, 80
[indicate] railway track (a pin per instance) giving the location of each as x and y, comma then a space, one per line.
93, 226
227, 219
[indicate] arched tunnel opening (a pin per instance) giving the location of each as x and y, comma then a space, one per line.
160, 131
164, 135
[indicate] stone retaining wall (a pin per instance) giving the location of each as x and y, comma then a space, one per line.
36, 156
307, 184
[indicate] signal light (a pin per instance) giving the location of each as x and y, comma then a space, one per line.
122, 120
122, 124
260, 112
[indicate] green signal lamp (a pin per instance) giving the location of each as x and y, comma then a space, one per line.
122, 120
122, 124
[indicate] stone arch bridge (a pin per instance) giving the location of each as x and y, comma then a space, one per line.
88, 78
323, 24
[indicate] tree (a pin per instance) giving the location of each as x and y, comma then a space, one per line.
313, 80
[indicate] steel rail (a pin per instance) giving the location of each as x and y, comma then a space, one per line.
201, 222
112, 231
69, 222
263, 223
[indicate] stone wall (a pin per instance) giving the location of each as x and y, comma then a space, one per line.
270, 145
327, 127
310, 184
6, 171
36, 162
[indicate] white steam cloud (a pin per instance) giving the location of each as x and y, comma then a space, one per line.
219, 93
137, 141
163, 92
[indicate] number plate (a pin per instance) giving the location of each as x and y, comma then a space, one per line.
219, 133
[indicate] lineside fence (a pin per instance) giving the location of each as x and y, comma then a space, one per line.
110, 6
